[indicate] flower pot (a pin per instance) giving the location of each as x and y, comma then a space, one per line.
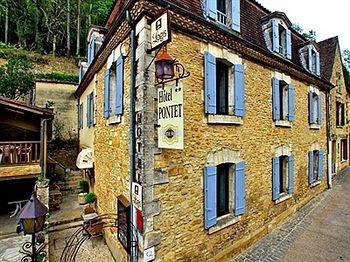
81, 198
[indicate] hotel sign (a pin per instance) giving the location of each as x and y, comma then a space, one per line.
170, 117
160, 31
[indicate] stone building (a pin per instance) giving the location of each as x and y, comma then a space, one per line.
255, 128
339, 103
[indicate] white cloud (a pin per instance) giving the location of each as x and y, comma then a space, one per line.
327, 18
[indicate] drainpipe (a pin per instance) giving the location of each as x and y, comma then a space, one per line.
329, 153
132, 129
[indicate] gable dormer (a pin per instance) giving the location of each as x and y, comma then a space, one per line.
223, 12
310, 58
95, 39
277, 34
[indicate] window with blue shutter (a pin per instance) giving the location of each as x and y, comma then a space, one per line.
319, 109
211, 8
318, 67
120, 85
311, 109
210, 83
276, 99
275, 178
289, 44
239, 200
291, 174
236, 15
320, 165
88, 110
239, 90
210, 193
291, 94
91, 49
309, 52
106, 108
275, 36
311, 167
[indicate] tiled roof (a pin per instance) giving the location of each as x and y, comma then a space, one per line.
327, 50
25, 107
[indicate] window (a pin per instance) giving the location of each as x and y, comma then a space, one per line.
283, 176
224, 191
315, 166
90, 109
80, 116
94, 45
224, 87
340, 115
278, 37
310, 58
315, 108
113, 89
283, 100
224, 12
344, 149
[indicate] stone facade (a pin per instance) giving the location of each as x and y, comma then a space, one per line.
64, 105
172, 180
338, 94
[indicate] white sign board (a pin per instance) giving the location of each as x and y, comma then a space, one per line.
160, 31
170, 117
149, 254
137, 195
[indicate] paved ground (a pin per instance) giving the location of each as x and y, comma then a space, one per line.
320, 231
10, 248
69, 210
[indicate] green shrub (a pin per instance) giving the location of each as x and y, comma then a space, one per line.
90, 198
59, 76
83, 186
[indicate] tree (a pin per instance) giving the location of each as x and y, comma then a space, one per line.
346, 58
16, 78
311, 35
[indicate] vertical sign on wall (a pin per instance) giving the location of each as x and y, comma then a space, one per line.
171, 117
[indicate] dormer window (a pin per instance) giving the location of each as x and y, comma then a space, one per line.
278, 37
224, 12
310, 59
94, 46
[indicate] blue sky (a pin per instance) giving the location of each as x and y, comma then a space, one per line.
327, 18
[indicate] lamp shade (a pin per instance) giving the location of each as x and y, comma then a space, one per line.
164, 66
32, 216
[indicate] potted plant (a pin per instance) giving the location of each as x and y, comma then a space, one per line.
83, 188
90, 198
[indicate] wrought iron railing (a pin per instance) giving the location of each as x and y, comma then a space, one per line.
19, 152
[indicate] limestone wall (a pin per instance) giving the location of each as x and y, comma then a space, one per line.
181, 220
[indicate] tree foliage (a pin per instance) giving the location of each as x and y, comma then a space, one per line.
311, 35
16, 78
50, 26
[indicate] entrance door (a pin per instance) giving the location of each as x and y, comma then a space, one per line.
334, 156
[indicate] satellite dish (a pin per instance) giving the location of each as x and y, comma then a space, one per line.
85, 158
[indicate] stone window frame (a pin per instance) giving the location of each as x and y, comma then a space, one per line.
342, 159
288, 80
111, 60
232, 58
315, 91
314, 147
283, 150
215, 158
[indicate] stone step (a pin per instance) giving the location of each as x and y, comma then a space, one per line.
60, 227
8, 235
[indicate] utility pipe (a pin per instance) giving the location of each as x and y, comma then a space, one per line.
328, 130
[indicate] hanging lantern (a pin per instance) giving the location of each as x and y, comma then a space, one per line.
164, 66
32, 216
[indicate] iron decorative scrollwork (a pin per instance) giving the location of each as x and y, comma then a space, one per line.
180, 73
27, 250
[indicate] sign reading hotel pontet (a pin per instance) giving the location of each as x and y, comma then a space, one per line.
160, 31
170, 117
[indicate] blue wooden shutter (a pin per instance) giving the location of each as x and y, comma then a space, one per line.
309, 52
79, 112
210, 83
88, 107
239, 90
289, 44
291, 174
291, 94
106, 94
276, 99
82, 115
311, 111
210, 175
239, 201
275, 36
320, 165
91, 51
211, 8
319, 110
120, 84
311, 167
275, 178
236, 15
318, 68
